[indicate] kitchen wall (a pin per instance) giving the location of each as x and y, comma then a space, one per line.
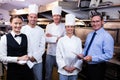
5, 13
111, 27
112, 12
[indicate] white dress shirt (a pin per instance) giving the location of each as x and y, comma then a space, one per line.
56, 31
3, 49
36, 42
66, 51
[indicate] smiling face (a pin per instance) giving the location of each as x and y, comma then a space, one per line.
32, 18
16, 24
70, 30
56, 19
96, 22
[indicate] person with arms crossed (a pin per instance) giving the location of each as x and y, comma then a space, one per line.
13, 51
68, 47
36, 38
54, 31
99, 47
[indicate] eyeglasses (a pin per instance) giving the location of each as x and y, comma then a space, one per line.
95, 21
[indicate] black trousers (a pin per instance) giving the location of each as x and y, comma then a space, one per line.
19, 72
95, 71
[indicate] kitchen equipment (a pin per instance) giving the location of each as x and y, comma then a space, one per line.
105, 16
119, 14
94, 3
85, 3
115, 2
93, 12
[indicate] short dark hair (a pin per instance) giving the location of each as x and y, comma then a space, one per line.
16, 16
97, 14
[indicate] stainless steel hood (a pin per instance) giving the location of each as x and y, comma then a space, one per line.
67, 6
73, 7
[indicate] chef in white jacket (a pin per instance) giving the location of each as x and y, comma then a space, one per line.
36, 38
54, 31
68, 47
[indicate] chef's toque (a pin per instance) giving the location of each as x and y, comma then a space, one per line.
57, 10
33, 8
70, 20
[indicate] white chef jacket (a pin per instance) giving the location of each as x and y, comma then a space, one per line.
56, 31
3, 49
66, 47
36, 40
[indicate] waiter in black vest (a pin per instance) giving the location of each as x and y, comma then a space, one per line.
98, 49
13, 51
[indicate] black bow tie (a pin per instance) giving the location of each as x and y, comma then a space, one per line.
18, 35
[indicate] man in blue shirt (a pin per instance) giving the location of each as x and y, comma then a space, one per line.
98, 50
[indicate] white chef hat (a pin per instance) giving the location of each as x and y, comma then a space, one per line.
70, 19
57, 10
33, 8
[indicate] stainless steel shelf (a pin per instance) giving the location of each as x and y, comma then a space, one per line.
101, 7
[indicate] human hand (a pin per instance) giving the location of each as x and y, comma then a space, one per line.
23, 58
88, 58
32, 59
80, 56
48, 35
69, 69
66, 68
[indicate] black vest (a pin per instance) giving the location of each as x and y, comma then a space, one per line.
14, 49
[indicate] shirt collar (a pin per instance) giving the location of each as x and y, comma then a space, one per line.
100, 30
58, 24
71, 37
32, 27
13, 33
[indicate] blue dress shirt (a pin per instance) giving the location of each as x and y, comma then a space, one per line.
102, 47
